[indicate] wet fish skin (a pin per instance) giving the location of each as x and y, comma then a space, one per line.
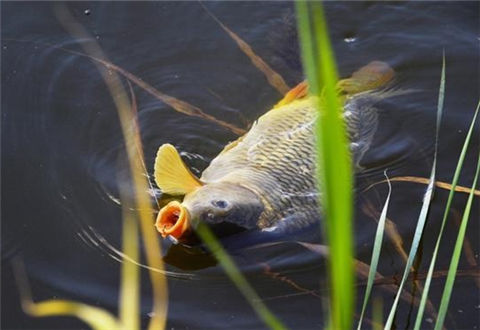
267, 176
276, 159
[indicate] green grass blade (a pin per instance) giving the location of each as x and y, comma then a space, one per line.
377, 314
377, 246
307, 44
426, 203
458, 169
97, 318
452, 270
129, 310
132, 142
237, 278
334, 168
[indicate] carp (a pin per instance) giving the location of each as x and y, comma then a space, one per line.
265, 180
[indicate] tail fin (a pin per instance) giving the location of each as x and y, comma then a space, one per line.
374, 75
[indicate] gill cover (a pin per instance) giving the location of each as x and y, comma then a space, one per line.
171, 174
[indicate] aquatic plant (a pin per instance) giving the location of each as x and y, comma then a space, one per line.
421, 223
335, 181
129, 316
452, 270
456, 255
377, 245
334, 168
237, 278
427, 198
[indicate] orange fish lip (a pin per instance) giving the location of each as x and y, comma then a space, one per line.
173, 219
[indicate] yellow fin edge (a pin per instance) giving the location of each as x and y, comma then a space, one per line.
297, 92
371, 76
171, 174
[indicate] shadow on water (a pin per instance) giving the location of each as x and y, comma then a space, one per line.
61, 142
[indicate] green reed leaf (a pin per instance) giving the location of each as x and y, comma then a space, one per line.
377, 314
133, 145
452, 270
237, 278
334, 168
458, 169
97, 318
377, 246
129, 309
426, 202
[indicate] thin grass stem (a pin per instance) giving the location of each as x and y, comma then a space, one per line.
421, 309
140, 185
452, 270
129, 310
334, 169
237, 278
426, 203
377, 246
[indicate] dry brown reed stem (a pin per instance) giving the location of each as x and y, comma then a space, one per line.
416, 179
274, 78
267, 270
387, 280
362, 269
177, 104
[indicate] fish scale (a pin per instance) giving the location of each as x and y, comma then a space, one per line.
266, 179
276, 158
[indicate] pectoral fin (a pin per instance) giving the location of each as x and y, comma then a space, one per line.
171, 174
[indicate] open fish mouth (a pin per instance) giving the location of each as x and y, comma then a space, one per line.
174, 223
173, 220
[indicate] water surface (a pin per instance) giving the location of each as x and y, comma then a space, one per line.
61, 143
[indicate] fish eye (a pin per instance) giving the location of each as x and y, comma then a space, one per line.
220, 203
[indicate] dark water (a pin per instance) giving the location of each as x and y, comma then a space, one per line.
61, 142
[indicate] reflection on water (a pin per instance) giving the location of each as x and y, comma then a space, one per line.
61, 144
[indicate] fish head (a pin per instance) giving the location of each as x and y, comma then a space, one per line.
227, 208
221, 202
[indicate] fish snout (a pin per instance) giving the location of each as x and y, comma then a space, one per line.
173, 219
226, 208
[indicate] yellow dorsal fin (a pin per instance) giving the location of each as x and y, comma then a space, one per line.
171, 174
371, 76
297, 92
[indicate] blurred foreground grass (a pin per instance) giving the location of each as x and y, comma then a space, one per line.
334, 168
